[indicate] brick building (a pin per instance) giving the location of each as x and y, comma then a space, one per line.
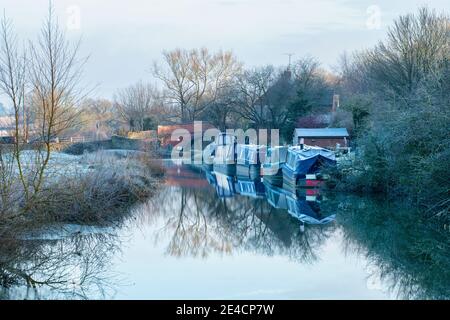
329, 138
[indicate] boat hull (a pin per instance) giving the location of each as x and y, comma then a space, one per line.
273, 176
294, 181
208, 166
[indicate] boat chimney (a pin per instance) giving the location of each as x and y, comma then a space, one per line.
302, 143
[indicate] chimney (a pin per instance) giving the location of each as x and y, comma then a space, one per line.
301, 143
335, 103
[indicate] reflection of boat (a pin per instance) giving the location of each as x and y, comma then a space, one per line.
276, 196
224, 185
303, 164
271, 168
208, 156
225, 154
210, 177
250, 187
299, 207
307, 211
249, 159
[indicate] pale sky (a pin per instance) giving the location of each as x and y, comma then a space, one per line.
123, 38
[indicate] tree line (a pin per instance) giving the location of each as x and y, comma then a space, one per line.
398, 94
215, 87
394, 97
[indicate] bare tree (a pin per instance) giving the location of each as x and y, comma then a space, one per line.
306, 72
136, 103
99, 118
272, 98
417, 45
193, 79
12, 84
252, 87
55, 74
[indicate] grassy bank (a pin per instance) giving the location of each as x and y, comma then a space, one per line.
95, 188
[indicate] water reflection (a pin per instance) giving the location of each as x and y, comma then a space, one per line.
49, 266
411, 253
238, 217
202, 214
408, 256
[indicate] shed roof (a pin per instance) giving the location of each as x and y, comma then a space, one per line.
321, 132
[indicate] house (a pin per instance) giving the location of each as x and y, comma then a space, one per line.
330, 138
322, 115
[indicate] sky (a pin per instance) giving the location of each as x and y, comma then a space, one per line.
123, 38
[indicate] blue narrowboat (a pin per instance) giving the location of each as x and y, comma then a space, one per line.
249, 160
208, 156
225, 154
271, 168
303, 165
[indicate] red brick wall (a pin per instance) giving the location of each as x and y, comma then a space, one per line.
329, 143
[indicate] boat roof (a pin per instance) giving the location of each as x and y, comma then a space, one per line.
277, 147
251, 146
311, 151
306, 148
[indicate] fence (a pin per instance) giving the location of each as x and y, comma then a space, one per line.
75, 139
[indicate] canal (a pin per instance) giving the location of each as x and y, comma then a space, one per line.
208, 236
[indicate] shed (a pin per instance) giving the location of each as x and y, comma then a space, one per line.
330, 138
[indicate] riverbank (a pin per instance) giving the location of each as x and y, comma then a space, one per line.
94, 188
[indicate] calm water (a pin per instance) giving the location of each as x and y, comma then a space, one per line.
206, 236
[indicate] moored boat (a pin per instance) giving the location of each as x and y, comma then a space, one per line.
208, 156
225, 154
249, 160
271, 168
303, 166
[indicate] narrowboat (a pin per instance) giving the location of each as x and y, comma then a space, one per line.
271, 168
303, 165
249, 160
225, 154
208, 156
